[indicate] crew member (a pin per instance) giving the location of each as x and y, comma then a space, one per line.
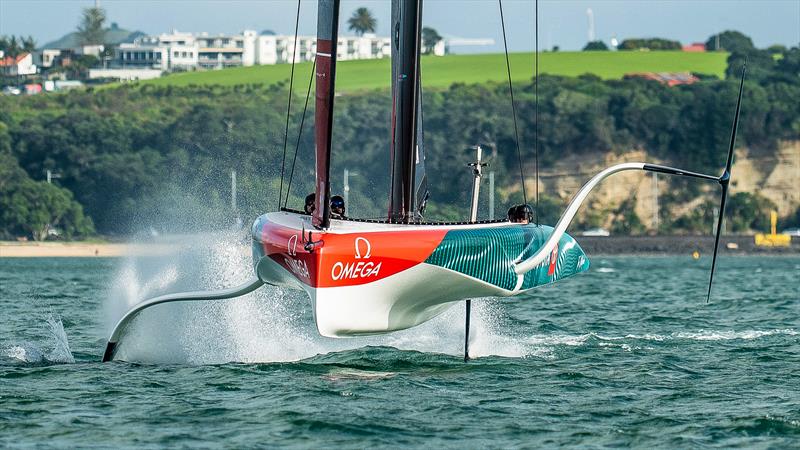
309, 206
337, 207
512, 213
522, 214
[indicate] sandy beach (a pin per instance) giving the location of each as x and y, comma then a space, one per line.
77, 249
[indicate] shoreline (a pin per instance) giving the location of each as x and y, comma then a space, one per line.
79, 249
599, 246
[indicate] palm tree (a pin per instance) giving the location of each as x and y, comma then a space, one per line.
91, 30
362, 22
13, 49
28, 44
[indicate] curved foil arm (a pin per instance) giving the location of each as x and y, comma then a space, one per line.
566, 218
222, 294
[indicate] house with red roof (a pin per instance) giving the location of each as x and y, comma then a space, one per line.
21, 64
695, 47
670, 79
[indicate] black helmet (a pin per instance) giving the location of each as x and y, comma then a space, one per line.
309, 205
337, 202
520, 213
526, 211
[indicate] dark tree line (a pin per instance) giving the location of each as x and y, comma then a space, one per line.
14, 46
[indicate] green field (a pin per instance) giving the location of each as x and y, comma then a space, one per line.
445, 70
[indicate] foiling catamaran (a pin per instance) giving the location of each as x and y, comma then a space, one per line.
367, 277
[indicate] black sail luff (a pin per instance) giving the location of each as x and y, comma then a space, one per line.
327, 37
406, 40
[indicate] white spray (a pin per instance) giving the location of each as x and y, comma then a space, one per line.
270, 324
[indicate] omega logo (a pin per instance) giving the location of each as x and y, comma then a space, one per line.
367, 245
361, 269
291, 246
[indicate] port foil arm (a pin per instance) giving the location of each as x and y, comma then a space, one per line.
222, 294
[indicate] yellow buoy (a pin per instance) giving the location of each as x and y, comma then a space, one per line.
695, 255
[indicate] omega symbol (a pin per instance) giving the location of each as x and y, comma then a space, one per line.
367, 246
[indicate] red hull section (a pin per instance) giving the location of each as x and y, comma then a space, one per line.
347, 259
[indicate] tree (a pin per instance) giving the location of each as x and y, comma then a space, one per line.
760, 64
91, 30
32, 207
28, 44
79, 67
777, 49
13, 47
747, 211
362, 22
36, 207
625, 219
17, 45
10, 46
789, 64
595, 46
430, 38
729, 41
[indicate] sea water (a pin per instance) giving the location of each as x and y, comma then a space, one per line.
627, 354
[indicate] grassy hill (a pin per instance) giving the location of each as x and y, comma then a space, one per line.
443, 71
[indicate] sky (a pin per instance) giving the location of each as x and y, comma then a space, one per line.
561, 22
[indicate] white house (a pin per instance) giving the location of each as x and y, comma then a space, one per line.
220, 51
20, 65
49, 57
166, 51
367, 46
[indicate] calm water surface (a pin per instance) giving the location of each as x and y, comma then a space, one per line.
628, 354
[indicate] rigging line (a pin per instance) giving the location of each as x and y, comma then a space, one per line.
536, 113
513, 107
300, 132
289, 105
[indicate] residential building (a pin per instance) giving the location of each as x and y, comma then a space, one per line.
17, 66
173, 51
695, 47
367, 46
221, 51
49, 57
186, 51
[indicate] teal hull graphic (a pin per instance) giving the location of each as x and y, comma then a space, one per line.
489, 255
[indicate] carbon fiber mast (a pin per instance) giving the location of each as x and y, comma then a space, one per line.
406, 114
327, 37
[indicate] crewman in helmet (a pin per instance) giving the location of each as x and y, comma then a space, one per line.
337, 207
522, 214
309, 205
